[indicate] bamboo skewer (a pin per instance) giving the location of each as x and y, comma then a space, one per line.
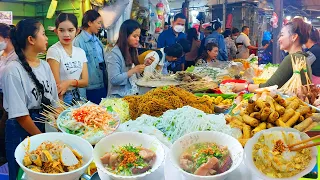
291, 86
293, 148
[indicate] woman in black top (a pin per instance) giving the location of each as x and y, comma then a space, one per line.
314, 48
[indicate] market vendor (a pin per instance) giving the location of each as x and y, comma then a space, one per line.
314, 48
123, 66
162, 58
209, 56
292, 37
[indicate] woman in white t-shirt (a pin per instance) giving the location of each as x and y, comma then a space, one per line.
68, 63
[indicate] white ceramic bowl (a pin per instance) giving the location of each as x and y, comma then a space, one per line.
124, 138
75, 142
180, 145
248, 160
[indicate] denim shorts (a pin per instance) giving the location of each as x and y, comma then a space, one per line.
70, 96
14, 134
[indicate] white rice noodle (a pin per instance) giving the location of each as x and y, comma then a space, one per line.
176, 123
270, 138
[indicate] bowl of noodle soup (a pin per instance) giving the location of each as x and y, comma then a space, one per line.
74, 142
291, 165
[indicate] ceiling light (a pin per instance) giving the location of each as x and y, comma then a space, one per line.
318, 17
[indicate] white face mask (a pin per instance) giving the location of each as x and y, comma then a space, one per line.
3, 45
178, 28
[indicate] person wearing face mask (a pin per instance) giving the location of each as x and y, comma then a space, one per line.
171, 36
235, 33
293, 35
88, 41
218, 39
7, 54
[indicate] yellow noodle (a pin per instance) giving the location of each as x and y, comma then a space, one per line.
159, 100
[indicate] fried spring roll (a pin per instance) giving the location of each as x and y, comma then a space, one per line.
243, 141
273, 117
287, 115
314, 110
310, 127
234, 125
27, 161
301, 118
293, 119
281, 123
260, 104
280, 109
269, 125
261, 127
228, 118
251, 105
271, 101
35, 158
250, 120
243, 112
294, 104
307, 115
303, 125
283, 103
256, 115
246, 131
265, 113
304, 110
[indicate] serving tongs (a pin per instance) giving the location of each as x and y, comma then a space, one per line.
295, 147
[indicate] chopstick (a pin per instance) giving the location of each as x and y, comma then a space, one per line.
293, 148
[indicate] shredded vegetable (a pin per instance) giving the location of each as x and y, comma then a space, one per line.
90, 121
120, 106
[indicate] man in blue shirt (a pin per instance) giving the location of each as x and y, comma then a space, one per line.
171, 36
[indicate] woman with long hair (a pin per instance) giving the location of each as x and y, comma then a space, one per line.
292, 36
88, 41
209, 55
27, 84
192, 37
68, 63
122, 64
